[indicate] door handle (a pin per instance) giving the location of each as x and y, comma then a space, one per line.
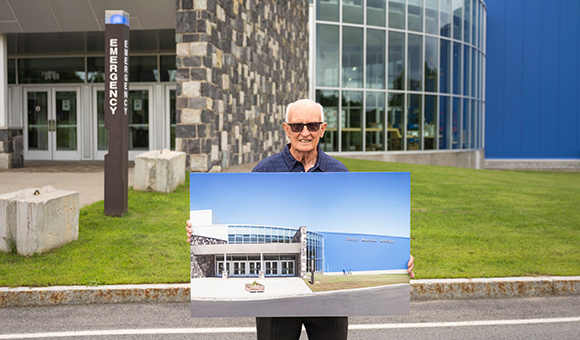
51, 125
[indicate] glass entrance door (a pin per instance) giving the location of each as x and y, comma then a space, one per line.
140, 129
52, 124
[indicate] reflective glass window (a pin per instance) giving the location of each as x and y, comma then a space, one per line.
474, 131
396, 67
327, 55
352, 11
431, 16
414, 122
475, 21
351, 120
375, 121
467, 21
143, 68
445, 68
444, 106
168, 68
352, 57
376, 12
431, 64
96, 69
172, 118
473, 70
395, 119
51, 70
375, 68
11, 71
397, 14
327, 10
445, 15
465, 124
455, 116
430, 123
415, 15
456, 68
415, 63
457, 18
466, 72
329, 101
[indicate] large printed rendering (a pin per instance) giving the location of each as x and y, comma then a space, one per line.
294, 244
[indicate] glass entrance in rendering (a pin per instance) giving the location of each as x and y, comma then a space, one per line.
400, 75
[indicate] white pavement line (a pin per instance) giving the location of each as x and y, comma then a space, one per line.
465, 323
130, 332
253, 329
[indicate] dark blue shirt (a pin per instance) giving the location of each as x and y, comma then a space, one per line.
285, 162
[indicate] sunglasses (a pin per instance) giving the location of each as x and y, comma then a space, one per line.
298, 127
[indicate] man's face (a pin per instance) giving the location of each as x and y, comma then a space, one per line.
305, 140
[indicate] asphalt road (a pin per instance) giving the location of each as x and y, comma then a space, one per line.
516, 318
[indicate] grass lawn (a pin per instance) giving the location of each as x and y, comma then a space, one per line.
324, 283
464, 223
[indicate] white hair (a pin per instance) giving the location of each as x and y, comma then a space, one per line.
305, 101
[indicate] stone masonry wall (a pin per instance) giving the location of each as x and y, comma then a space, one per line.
239, 63
11, 148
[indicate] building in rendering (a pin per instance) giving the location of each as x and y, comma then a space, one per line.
245, 250
475, 83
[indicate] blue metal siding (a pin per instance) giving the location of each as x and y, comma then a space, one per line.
495, 79
532, 72
532, 60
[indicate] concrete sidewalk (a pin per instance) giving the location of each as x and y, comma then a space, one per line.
87, 178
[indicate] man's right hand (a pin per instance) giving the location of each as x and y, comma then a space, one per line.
189, 231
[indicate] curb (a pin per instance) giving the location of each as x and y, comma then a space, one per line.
420, 290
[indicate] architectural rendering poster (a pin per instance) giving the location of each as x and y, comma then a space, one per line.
295, 244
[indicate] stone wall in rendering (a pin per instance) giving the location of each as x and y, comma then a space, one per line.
239, 63
203, 265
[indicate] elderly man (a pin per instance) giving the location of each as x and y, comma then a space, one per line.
304, 127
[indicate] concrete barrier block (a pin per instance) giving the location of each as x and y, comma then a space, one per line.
39, 220
8, 221
159, 171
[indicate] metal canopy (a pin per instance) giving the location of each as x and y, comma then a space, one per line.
31, 16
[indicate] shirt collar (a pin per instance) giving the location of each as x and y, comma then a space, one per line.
292, 163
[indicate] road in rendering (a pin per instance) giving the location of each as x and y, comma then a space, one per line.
515, 318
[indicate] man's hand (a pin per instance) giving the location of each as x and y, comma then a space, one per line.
189, 231
410, 266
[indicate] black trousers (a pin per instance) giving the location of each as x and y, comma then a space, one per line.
289, 328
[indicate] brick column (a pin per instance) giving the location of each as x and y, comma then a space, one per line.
239, 63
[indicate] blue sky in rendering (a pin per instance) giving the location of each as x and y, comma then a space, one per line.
354, 202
